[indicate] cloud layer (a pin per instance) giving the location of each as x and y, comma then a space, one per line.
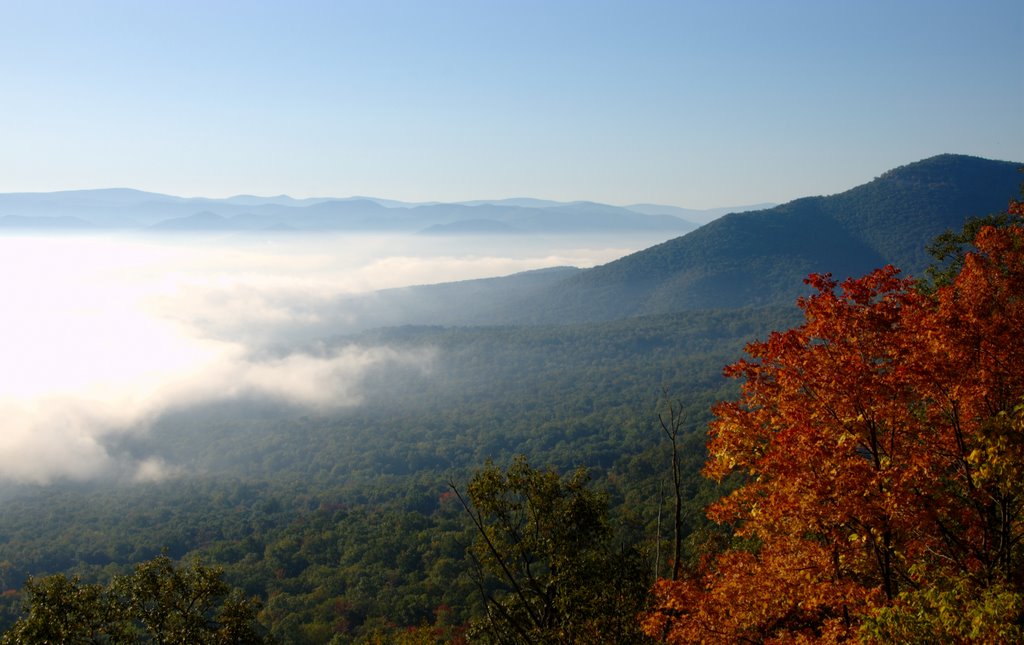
102, 335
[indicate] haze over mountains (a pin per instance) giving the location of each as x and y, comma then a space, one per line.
747, 259
127, 209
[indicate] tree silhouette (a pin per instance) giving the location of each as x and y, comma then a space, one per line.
545, 561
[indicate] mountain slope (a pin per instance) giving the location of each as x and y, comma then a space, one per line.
761, 257
468, 302
698, 216
754, 258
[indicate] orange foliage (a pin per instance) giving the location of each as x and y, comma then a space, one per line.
873, 457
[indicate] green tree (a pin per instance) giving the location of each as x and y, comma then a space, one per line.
546, 562
950, 248
158, 603
62, 610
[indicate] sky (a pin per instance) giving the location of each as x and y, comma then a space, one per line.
694, 104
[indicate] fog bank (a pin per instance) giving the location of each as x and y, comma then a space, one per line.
103, 334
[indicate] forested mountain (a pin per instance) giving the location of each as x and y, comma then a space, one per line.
744, 259
467, 302
760, 257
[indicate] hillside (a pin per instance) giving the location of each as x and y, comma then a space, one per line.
467, 302
760, 257
754, 258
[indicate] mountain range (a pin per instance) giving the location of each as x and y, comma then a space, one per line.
128, 209
750, 259
746, 258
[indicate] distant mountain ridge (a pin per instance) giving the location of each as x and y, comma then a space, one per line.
757, 258
129, 209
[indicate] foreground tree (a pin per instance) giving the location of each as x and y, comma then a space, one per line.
881, 446
547, 565
159, 603
62, 610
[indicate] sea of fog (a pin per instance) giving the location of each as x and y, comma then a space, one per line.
102, 334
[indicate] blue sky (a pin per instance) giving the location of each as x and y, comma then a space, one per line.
696, 104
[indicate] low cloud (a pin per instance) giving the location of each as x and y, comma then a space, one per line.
325, 383
103, 335
64, 436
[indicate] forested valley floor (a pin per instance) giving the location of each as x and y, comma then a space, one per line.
344, 525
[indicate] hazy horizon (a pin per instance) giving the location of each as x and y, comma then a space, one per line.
697, 216
684, 103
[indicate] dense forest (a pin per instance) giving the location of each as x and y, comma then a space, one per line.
548, 483
344, 523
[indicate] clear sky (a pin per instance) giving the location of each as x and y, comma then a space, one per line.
690, 103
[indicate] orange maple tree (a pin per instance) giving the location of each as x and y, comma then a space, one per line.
881, 450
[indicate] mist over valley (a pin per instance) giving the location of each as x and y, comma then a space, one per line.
511, 323
300, 407
107, 332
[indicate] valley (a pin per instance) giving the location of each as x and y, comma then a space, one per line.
316, 467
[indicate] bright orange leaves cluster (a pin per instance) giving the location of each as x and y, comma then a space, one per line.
881, 447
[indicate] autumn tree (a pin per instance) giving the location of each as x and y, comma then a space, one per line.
881, 446
546, 563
